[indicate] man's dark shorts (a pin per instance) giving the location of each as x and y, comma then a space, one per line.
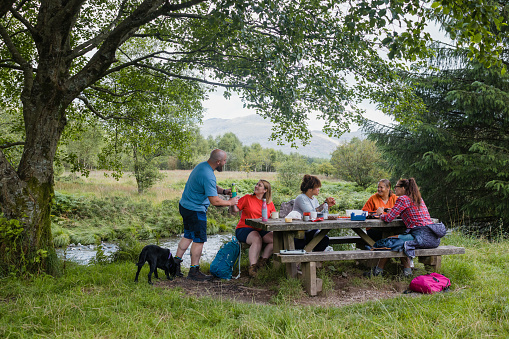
242, 233
195, 224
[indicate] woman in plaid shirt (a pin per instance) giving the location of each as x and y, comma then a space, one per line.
409, 205
414, 213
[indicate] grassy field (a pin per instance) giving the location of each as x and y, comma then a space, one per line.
101, 301
169, 188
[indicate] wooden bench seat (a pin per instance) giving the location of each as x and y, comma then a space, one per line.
431, 257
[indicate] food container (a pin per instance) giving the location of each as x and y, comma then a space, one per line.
356, 212
288, 219
359, 217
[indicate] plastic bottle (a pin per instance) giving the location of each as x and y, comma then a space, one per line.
325, 211
264, 211
234, 190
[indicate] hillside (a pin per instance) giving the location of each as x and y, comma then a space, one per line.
253, 128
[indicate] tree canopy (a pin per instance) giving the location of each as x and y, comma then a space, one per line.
64, 62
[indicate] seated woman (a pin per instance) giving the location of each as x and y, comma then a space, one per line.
251, 207
421, 231
384, 198
307, 202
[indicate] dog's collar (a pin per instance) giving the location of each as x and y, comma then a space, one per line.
169, 255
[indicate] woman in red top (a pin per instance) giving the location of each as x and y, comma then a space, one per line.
412, 210
251, 207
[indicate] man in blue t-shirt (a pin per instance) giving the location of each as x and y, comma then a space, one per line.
200, 191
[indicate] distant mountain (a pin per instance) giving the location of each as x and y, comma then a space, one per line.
253, 128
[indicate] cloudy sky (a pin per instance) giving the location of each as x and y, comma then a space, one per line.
219, 107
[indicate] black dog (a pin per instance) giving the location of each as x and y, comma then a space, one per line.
157, 257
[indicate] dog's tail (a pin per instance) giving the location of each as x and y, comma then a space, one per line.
142, 258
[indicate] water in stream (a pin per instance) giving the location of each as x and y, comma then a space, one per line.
85, 254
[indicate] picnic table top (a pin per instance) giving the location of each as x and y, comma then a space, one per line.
300, 225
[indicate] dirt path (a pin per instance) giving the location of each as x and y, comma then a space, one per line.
348, 289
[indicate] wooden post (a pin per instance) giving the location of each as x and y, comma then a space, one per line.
312, 284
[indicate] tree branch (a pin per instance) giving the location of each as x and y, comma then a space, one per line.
104, 117
5, 6
25, 22
25, 66
11, 144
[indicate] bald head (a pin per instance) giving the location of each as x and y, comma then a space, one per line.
217, 155
217, 159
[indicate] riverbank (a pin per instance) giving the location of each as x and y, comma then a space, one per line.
102, 301
86, 254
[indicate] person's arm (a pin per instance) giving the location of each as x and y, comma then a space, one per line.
223, 191
217, 201
398, 208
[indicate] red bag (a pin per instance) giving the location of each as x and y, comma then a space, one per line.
430, 283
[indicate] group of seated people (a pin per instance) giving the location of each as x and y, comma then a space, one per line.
405, 202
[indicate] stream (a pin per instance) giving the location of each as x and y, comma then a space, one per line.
85, 254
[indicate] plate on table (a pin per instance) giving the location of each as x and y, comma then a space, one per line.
317, 219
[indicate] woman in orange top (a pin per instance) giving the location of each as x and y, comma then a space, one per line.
384, 198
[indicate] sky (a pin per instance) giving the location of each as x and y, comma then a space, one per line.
219, 107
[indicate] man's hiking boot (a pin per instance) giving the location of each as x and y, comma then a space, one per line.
177, 262
253, 269
195, 274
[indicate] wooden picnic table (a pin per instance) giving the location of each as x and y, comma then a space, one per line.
285, 232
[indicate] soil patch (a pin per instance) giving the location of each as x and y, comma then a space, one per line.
347, 289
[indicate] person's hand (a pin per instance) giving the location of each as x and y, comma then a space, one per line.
234, 201
379, 211
228, 191
330, 201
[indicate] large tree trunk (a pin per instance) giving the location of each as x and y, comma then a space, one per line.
26, 194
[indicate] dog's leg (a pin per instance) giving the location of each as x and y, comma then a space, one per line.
138, 272
155, 273
153, 268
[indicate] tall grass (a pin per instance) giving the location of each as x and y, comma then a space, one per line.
102, 301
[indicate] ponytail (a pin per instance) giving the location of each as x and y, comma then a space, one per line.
412, 190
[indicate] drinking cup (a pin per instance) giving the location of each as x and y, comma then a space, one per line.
274, 215
313, 215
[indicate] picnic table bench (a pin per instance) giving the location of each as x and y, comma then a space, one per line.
284, 233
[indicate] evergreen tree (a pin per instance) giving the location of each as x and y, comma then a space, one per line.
459, 150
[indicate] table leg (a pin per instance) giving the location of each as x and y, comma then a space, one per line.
360, 232
278, 245
289, 244
311, 245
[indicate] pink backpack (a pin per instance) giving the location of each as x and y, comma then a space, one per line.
430, 283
